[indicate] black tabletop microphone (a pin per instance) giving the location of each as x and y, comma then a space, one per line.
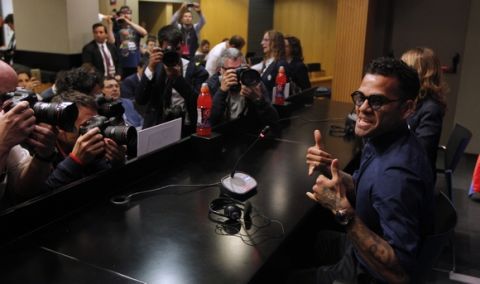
260, 136
239, 182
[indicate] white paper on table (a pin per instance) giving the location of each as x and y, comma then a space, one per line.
158, 136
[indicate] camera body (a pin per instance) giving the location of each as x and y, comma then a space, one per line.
121, 134
173, 112
109, 107
62, 114
171, 57
247, 77
120, 21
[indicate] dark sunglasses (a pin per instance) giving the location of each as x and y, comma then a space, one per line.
374, 101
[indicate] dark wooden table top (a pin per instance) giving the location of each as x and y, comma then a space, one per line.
167, 237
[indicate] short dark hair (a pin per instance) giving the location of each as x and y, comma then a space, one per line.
83, 79
170, 34
79, 98
236, 41
96, 25
24, 71
9, 19
408, 82
123, 9
151, 38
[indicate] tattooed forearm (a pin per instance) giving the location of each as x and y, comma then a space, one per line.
379, 255
330, 198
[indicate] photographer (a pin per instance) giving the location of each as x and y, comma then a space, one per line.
183, 20
236, 97
170, 84
127, 39
111, 92
22, 174
82, 155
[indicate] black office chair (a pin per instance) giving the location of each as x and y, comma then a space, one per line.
314, 67
452, 153
444, 225
457, 143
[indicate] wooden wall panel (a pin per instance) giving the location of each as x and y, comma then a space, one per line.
224, 19
314, 23
350, 47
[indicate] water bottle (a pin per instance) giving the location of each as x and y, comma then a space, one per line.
204, 108
280, 83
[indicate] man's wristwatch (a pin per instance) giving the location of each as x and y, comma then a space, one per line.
343, 217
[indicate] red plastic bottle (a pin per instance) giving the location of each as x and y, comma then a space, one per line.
204, 107
280, 83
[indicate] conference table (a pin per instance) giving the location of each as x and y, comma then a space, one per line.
77, 235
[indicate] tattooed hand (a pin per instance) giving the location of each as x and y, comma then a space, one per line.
331, 193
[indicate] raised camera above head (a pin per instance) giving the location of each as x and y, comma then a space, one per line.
109, 107
62, 114
171, 57
121, 134
247, 77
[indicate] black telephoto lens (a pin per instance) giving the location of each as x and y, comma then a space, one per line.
62, 114
122, 135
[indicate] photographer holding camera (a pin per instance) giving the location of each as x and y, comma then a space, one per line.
80, 155
127, 39
239, 92
183, 20
170, 84
22, 174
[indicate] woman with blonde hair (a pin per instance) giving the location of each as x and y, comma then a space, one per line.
430, 108
273, 45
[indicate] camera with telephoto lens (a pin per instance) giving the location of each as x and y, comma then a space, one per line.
121, 134
171, 57
62, 114
109, 107
247, 77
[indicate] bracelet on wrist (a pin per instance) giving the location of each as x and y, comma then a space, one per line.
75, 159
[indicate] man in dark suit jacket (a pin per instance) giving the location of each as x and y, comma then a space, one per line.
102, 54
170, 84
130, 83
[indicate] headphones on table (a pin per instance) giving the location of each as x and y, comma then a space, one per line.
230, 214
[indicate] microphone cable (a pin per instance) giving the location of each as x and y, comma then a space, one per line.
254, 234
125, 199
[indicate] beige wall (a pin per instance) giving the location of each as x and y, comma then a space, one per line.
57, 34
106, 8
468, 101
440, 25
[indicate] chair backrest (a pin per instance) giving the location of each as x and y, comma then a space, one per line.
445, 220
457, 143
313, 67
